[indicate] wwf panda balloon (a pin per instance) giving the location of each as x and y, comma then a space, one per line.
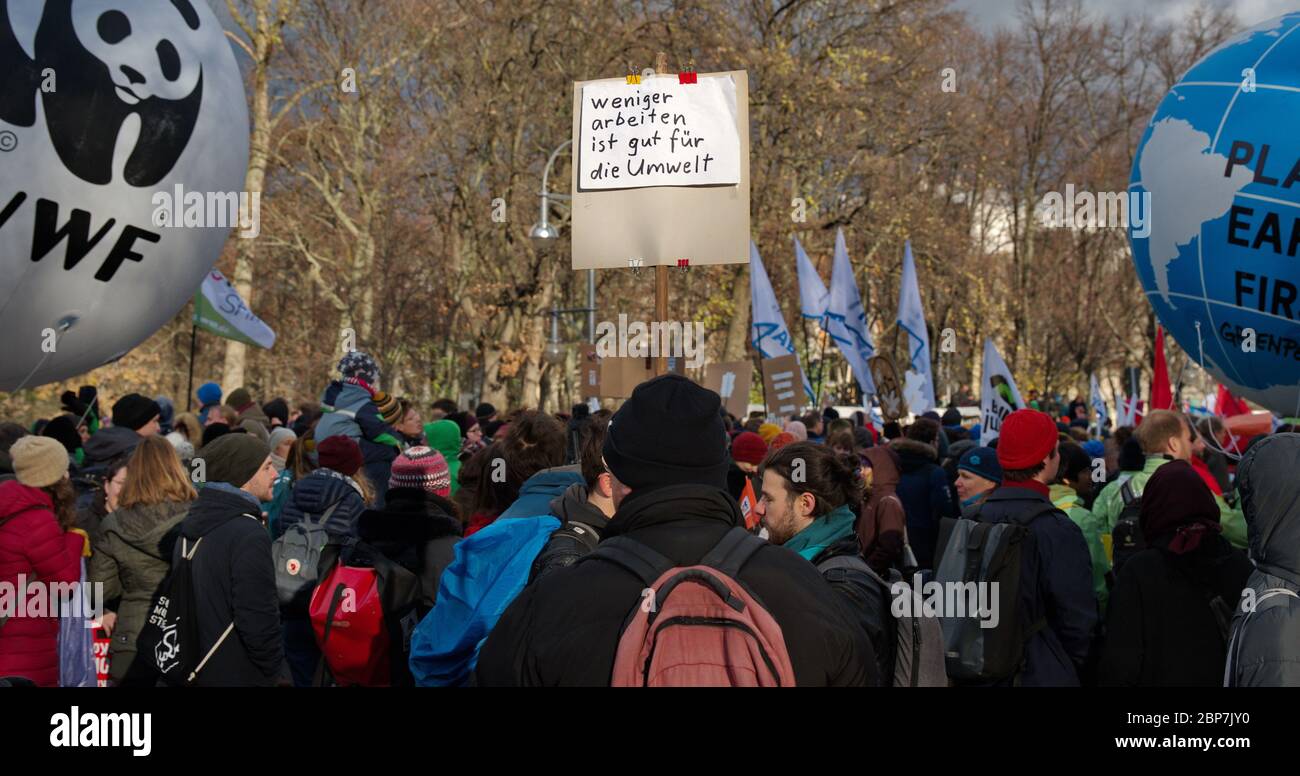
123, 144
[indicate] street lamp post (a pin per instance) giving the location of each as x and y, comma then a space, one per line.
544, 235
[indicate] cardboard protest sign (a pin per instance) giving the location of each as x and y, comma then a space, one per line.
888, 391
661, 171
618, 376
782, 384
731, 381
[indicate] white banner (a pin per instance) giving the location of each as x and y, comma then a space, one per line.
999, 396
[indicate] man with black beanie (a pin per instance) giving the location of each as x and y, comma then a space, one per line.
666, 450
234, 579
138, 413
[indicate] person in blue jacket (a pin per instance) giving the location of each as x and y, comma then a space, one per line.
1056, 595
348, 409
492, 565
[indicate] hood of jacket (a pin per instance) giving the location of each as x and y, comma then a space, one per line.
344, 396
444, 436
16, 497
572, 506
108, 443
409, 516
538, 490
214, 508
321, 489
144, 526
885, 469
1270, 495
913, 455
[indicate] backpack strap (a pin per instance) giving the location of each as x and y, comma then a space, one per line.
633, 556
580, 532
1126, 493
735, 548
324, 516
1276, 596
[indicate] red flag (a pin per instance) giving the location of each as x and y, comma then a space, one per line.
1226, 405
747, 510
1162, 396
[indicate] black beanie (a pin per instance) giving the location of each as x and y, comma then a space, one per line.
484, 411
668, 433
133, 411
277, 409
64, 429
952, 417
234, 458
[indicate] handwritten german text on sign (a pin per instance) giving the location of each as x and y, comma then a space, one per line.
660, 133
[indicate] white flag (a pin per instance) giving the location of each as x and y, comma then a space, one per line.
999, 396
919, 379
846, 321
218, 308
768, 333
1098, 404
813, 296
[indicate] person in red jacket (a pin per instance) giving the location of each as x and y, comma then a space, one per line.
36, 509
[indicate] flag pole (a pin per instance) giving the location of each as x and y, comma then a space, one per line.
194, 339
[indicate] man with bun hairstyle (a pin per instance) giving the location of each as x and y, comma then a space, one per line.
1057, 604
666, 452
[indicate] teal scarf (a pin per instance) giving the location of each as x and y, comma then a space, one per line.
823, 532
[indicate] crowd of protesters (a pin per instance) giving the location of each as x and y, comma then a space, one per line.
523, 548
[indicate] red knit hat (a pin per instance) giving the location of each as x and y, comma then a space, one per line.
340, 453
421, 468
1026, 439
748, 447
781, 440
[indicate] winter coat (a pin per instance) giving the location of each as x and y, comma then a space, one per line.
867, 599
417, 530
349, 410
1068, 501
923, 489
1110, 502
34, 547
564, 629
567, 546
313, 495
444, 436
1055, 586
1269, 651
883, 521
131, 558
108, 444
234, 581
1161, 630
537, 492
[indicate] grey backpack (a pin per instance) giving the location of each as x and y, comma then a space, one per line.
918, 640
296, 555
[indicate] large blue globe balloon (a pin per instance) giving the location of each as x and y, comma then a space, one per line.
1221, 162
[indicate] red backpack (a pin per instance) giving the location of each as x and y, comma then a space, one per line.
359, 611
696, 625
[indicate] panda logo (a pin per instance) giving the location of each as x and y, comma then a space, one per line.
127, 77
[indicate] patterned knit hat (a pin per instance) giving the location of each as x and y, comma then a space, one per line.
389, 409
361, 365
421, 468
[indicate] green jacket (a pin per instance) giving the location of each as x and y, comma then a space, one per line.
1110, 503
1067, 500
131, 559
444, 436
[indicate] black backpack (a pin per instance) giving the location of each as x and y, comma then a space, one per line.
980, 552
1126, 538
169, 640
